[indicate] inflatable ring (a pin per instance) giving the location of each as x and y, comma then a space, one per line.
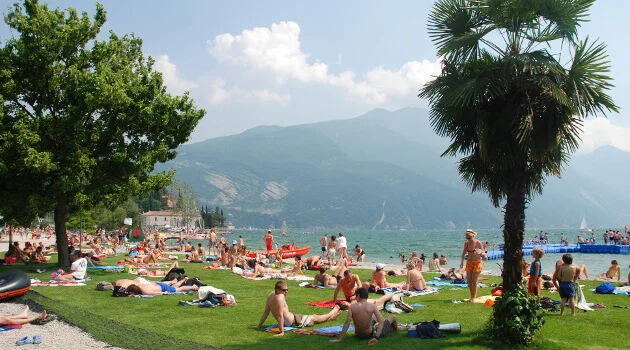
14, 284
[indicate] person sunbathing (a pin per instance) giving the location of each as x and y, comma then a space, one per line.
322, 278
313, 260
362, 314
613, 270
415, 280
158, 273
276, 304
21, 318
401, 272
194, 256
341, 267
452, 275
297, 268
156, 288
38, 256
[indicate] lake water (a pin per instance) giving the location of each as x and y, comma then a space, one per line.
384, 246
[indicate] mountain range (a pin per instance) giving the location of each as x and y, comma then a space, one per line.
381, 170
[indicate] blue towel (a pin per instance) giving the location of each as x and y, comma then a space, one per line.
333, 329
450, 284
155, 295
418, 305
621, 291
286, 328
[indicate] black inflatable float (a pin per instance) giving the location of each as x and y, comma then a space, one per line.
14, 284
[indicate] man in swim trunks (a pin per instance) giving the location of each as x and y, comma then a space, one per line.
348, 284
324, 243
613, 270
324, 279
276, 304
156, 288
567, 274
212, 244
362, 314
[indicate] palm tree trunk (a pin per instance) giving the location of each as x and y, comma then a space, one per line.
61, 214
513, 231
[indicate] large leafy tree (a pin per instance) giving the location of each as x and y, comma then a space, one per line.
82, 120
515, 86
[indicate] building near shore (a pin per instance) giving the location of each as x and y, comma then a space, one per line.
170, 220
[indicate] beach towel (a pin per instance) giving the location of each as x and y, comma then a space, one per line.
155, 295
326, 303
53, 283
9, 327
276, 329
326, 332
449, 284
419, 293
310, 285
300, 278
582, 304
482, 300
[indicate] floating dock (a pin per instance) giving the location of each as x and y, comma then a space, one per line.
560, 248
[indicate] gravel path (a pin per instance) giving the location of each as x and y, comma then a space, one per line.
55, 334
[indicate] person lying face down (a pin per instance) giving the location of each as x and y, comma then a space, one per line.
155, 288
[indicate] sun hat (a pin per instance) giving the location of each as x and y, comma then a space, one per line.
380, 266
234, 242
268, 231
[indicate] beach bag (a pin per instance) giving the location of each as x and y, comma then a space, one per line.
605, 288
104, 286
429, 330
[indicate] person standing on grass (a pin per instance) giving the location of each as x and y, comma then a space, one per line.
474, 249
567, 274
276, 304
535, 273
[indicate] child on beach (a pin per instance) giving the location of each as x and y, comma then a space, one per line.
567, 274
535, 272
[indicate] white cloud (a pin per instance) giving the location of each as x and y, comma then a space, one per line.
221, 95
600, 132
170, 77
265, 96
278, 50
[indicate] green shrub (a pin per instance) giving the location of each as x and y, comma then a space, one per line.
516, 317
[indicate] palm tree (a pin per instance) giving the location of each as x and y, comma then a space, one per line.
512, 109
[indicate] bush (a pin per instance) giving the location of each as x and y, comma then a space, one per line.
516, 316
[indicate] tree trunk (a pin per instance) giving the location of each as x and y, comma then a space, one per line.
10, 236
513, 231
61, 215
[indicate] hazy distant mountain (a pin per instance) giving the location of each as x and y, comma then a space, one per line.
379, 170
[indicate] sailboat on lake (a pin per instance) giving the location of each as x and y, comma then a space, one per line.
584, 225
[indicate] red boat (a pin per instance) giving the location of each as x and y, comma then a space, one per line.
288, 251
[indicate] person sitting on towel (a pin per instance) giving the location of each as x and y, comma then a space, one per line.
362, 314
277, 305
322, 278
78, 269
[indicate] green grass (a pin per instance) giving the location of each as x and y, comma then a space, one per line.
160, 323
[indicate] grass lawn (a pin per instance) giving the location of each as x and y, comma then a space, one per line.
160, 323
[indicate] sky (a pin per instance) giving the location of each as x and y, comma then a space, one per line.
250, 63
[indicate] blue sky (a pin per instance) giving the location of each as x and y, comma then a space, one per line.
291, 62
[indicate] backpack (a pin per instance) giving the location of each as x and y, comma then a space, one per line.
119, 291
428, 330
104, 286
605, 288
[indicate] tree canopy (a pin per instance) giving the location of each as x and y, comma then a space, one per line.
83, 120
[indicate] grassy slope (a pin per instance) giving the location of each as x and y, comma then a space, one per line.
161, 321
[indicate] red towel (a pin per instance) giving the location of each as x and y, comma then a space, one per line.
327, 304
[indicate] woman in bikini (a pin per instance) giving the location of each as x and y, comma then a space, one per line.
474, 248
415, 280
